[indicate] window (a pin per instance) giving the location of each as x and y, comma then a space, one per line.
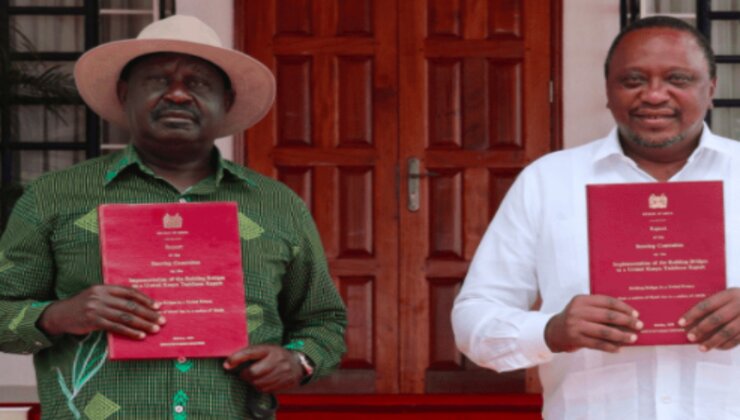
44, 125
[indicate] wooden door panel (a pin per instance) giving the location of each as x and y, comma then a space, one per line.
358, 294
293, 17
505, 17
505, 87
445, 213
469, 71
332, 138
293, 74
364, 86
442, 352
356, 224
355, 91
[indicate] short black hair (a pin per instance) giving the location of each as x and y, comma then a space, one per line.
665, 22
126, 71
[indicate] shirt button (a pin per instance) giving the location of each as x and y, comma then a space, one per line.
182, 359
665, 399
179, 409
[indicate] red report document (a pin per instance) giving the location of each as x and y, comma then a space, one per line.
186, 257
660, 247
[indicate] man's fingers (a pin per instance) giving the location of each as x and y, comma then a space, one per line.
603, 309
719, 338
608, 333
121, 329
114, 316
603, 345
133, 297
708, 306
273, 373
270, 383
715, 331
611, 317
604, 316
715, 321
729, 344
244, 355
612, 304
138, 310
272, 367
593, 317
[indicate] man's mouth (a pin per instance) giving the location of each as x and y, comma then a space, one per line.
176, 116
654, 117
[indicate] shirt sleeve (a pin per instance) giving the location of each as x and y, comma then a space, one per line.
492, 319
26, 278
314, 317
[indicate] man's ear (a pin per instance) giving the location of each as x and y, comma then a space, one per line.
122, 91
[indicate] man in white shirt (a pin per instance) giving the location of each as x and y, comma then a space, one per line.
660, 80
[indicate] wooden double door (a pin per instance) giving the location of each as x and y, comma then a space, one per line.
402, 123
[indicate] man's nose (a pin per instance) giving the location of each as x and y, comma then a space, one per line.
177, 93
655, 92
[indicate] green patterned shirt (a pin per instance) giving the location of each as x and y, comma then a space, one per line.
49, 251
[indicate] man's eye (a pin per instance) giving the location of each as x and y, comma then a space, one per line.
680, 79
158, 80
632, 81
197, 84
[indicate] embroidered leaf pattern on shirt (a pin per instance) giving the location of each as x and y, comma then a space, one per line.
255, 317
179, 405
100, 407
248, 229
183, 366
15, 322
295, 345
89, 358
89, 222
5, 263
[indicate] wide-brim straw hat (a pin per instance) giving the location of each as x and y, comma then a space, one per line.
98, 70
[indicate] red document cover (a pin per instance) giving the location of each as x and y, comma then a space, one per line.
187, 256
660, 247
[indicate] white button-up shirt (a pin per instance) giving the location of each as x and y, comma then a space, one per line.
537, 244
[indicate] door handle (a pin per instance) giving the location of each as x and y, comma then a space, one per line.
414, 175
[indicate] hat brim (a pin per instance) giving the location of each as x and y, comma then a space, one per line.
98, 70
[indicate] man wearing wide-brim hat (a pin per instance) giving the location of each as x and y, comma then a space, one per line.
175, 90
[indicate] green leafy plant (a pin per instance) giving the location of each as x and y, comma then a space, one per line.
32, 80
24, 81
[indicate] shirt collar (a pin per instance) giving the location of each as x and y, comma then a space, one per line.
611, 146
129, 157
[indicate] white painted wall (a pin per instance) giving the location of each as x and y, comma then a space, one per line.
589, 26
588, 29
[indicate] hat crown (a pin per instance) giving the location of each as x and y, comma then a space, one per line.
97, 72
181, 28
